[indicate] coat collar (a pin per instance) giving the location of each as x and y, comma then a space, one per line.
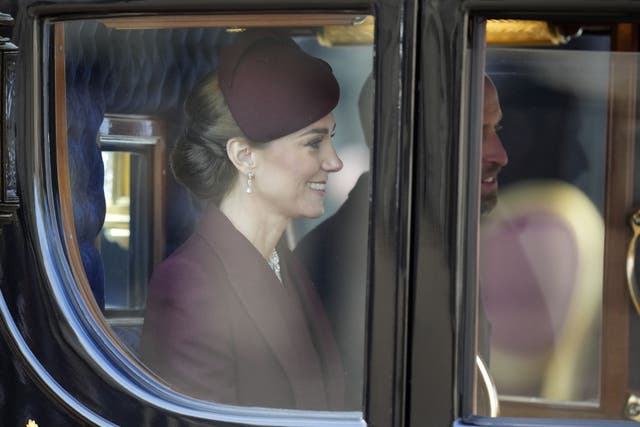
277, 310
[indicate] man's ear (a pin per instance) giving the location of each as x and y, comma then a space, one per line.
241, 154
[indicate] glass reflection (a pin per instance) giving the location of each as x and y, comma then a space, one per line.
116, 231
541, 251
140, 232
124, 239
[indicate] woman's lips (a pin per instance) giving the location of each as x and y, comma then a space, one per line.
318, 186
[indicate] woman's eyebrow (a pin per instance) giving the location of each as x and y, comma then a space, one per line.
315, 131
321, 131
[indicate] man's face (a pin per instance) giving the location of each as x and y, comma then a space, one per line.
494, 157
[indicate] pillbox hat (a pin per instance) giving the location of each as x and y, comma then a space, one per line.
272, 86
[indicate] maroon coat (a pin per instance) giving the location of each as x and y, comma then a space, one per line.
220, 326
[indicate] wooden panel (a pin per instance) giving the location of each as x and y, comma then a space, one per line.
130, 125
231, 21
159, 203
64, 180
620, 149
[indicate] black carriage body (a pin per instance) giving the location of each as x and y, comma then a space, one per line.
58, 367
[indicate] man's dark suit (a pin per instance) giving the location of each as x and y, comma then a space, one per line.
335, 255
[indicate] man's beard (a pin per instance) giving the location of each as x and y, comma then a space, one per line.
488, 202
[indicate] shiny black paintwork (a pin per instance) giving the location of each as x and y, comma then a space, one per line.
74, 356
59, 370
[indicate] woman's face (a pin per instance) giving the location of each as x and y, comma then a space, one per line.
291, 172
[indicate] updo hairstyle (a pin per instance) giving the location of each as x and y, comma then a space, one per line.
199, 159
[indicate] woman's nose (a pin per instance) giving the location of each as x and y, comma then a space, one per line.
331, 163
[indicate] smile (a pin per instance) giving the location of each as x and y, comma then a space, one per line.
489, 180
320, 186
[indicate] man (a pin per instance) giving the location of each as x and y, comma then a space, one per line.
494, 157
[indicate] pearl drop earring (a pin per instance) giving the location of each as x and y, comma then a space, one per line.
250, 177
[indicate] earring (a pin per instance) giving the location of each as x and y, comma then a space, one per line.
250, 176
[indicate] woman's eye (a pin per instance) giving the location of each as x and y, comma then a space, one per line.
315, 144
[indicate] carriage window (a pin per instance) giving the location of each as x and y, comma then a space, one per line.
214, 183
558, 137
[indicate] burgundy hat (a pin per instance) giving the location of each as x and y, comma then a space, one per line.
272, 87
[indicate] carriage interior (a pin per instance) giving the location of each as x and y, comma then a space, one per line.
125, 82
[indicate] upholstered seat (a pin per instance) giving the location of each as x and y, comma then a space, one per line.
541, 279
111, 71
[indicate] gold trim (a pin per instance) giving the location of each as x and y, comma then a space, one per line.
339, 29
499, 32
231, 21
632, 282
632, 408
489, 387
522, 32
360, 33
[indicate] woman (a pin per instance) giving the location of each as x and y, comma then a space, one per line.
231, 316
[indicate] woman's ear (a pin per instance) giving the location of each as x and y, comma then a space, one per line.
241, 154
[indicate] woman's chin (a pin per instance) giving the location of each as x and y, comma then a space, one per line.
313, 213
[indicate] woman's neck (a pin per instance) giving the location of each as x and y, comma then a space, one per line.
262, 228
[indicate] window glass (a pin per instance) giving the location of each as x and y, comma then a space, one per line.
130, 241
217, 172
116, 232
549, 184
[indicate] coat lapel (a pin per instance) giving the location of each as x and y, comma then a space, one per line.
276, 312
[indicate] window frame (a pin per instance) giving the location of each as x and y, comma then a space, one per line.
143, 136
619, 176
106, 359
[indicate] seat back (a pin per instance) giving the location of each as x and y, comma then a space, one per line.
541, 284
130, 72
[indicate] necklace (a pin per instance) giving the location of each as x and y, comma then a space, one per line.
274, 264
